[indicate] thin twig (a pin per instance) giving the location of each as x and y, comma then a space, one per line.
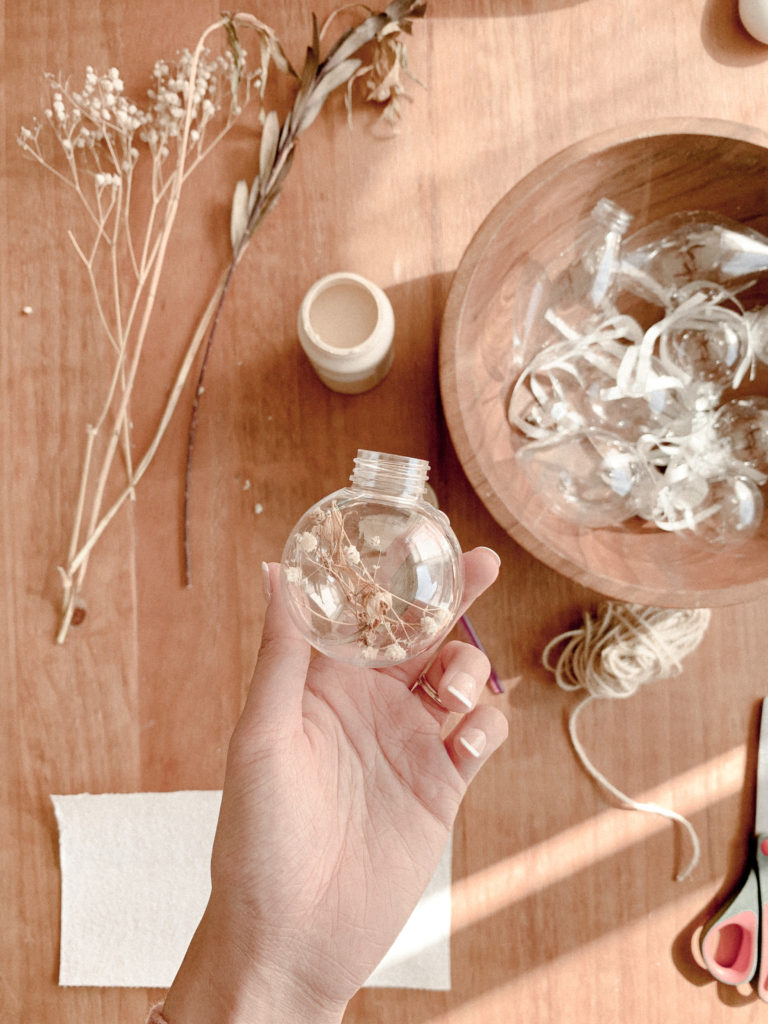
79, 558
194, 417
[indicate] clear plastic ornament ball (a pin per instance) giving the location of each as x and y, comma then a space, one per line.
373, 573
710, 352
735, 511
592, 478
743, 424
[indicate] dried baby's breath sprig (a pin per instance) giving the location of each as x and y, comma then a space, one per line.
379, 38
91, 138
378, 622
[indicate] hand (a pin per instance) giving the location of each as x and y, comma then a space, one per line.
340, 792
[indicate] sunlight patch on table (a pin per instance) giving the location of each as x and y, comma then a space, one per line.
537, 867
556, 988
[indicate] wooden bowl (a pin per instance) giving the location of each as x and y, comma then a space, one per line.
652, 169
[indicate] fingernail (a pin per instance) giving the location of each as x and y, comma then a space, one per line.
266, 582
462, 686
492, 552
473, 741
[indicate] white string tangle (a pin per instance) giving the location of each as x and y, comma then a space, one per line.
616, 651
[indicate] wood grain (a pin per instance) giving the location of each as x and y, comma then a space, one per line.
565, 908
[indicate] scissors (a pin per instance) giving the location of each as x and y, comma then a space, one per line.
734, 943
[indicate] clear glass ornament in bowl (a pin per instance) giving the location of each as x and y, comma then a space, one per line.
624, 404
373, 573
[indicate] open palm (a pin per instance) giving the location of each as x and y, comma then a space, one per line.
340, 792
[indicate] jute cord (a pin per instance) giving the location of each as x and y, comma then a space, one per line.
616, 651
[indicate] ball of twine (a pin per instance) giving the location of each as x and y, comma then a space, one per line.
611, 655
624, 646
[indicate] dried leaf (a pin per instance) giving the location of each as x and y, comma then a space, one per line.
400, 9
354, 39
311, 62
284, 169
270, 138
332, 80
315, 35
308, 74
239, 216
278, 56
270, 44
271, 201
253, 195
287, 128
270, 135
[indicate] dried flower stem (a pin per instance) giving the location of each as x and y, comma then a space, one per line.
95, 130
78, 560
79, 563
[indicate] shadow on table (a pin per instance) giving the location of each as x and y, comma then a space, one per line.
724, 37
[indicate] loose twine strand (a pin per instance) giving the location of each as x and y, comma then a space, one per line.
616, 651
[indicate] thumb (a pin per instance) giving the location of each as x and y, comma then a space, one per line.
277, 686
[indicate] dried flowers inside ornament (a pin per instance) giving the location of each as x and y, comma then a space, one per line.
628, 392
373, 573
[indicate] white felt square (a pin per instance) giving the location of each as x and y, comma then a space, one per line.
135, 880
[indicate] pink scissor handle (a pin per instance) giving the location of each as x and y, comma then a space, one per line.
729, 943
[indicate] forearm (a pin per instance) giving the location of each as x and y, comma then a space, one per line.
220, 982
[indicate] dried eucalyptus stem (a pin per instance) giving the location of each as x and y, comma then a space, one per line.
378, 36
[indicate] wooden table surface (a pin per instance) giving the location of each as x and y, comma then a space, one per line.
565, 908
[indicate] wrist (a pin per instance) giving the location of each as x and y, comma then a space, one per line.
221, 982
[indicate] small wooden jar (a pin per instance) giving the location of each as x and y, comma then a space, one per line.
346, 327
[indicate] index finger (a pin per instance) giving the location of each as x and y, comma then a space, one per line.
481, 567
